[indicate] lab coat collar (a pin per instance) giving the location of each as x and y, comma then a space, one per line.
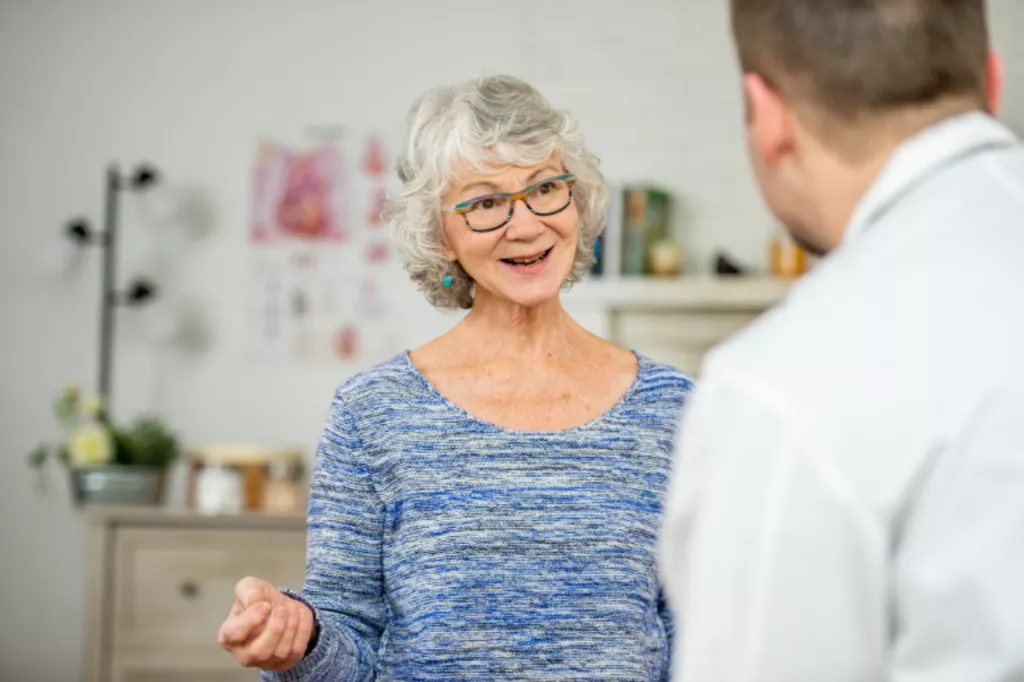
923, 153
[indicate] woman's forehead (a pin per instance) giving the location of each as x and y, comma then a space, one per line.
465, 174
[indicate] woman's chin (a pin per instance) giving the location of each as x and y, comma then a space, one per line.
527, 289
532, 295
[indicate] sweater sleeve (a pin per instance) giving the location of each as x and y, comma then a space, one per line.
668, 623
344, 580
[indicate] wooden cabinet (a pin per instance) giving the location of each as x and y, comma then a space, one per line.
676, 321
163, 581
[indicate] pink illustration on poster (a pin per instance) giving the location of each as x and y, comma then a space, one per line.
322, 268
300, 194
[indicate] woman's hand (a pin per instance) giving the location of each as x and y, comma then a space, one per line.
266, 629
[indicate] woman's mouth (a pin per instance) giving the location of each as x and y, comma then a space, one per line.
527, 262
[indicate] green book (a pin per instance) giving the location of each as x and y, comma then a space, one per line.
645, 222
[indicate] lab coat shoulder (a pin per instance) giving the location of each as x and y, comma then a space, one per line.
824, 364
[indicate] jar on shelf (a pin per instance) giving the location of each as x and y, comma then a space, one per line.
218, 490
787, 259
283, 493
665, 258
266, 479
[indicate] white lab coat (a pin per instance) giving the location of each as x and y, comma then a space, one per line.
848, 500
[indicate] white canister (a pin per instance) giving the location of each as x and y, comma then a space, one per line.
218, 490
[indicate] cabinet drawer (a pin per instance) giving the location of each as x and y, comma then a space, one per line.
174, 587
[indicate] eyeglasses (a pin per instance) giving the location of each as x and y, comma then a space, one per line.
493, 211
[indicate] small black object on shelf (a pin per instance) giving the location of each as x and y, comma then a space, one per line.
139, 291
725, 266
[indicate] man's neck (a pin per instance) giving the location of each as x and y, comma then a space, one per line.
848, 175
838, 191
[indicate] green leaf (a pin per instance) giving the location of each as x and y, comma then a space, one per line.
124, 447
65, 408
148, 442
37, 458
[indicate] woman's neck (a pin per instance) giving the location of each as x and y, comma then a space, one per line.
496, 329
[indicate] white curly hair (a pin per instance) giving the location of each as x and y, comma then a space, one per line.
486, 123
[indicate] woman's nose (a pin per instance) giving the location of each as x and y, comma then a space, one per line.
524, 225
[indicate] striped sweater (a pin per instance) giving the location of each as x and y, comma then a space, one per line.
441, 547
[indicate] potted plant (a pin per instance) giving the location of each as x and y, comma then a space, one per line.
109, 464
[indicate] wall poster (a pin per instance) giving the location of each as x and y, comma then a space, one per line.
320, 258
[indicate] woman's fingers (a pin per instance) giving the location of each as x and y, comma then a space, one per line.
237, 629
263, 647
302, 634
251, 590
284, 647
266, 629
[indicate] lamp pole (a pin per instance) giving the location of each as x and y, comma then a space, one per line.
108, 298
139, 291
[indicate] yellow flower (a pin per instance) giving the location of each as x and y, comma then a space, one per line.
90, 445
94, 408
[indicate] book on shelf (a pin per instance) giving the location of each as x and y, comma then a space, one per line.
637, 222
608, 247
644, 223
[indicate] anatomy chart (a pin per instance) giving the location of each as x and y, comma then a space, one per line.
320, 258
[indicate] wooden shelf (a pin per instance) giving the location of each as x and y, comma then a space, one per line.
187, 518
685, 293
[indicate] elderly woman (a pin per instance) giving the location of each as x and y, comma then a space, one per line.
485, 507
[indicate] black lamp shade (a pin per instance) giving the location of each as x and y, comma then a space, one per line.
140, 291
145, 176
78, 231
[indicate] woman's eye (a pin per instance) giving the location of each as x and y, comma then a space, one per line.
487, 204
546, 188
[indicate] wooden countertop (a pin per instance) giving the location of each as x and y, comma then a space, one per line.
180, 517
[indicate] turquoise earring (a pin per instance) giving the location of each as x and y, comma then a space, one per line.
447, 281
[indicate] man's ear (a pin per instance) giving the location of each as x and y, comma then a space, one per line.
994, 77
769, 124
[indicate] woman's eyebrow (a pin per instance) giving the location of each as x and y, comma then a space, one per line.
481, 184
545, 169
491, 187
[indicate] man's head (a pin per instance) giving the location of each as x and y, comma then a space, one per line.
833, 86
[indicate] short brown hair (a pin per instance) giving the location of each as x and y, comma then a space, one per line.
864, 57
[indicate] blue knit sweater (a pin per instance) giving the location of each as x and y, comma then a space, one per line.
442, 547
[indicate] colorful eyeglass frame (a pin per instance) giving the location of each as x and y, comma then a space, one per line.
463, 207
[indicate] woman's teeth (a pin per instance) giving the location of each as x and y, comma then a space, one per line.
527, 261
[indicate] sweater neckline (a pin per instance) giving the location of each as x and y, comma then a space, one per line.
641, 371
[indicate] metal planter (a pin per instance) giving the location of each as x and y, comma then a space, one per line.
118, 485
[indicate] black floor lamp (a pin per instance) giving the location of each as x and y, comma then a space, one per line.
138, 292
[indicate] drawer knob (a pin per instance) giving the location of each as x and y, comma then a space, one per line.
189, 589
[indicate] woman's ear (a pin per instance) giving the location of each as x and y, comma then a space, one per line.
445, 243
448, 251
